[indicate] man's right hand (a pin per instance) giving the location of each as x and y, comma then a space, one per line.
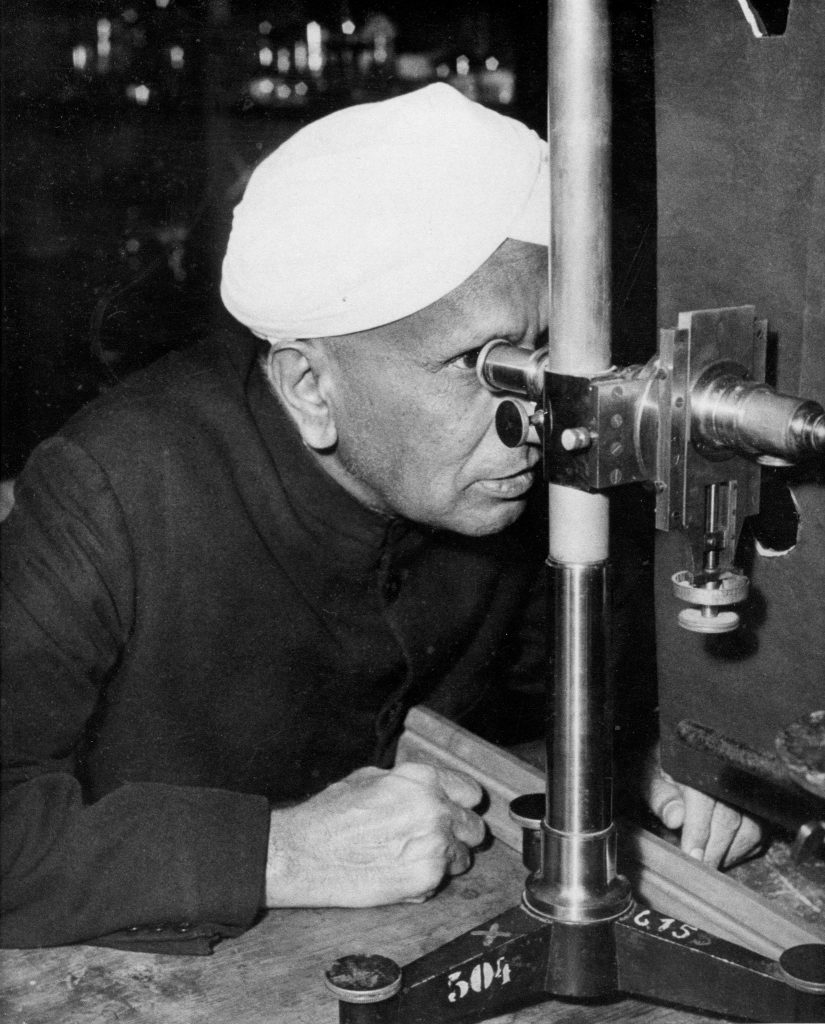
375, 837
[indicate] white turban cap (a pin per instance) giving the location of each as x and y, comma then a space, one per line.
376, 211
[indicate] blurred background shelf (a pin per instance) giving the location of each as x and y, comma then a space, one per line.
130, 129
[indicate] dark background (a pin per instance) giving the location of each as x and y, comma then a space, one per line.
115, 214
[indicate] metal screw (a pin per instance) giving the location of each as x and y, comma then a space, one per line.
616, 448
616, 420
615, 476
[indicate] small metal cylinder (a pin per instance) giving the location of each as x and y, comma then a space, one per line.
803, 967
527, 811
505, 367
578, 882
367, 988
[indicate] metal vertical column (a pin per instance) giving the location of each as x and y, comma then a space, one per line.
577, 882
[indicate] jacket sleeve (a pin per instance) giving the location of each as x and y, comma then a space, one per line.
147, 866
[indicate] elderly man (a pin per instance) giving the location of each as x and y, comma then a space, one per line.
227, 581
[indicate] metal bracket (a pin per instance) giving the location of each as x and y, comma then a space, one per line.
592, 441
714, 340
639, 424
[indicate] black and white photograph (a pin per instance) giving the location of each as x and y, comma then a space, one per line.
412, 508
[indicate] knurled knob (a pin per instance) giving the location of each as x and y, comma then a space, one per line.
363, 978
711, 612
731, 589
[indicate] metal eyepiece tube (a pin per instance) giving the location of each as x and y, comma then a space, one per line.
505, 367
728, 412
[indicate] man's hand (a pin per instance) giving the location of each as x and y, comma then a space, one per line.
712, 831
375, 837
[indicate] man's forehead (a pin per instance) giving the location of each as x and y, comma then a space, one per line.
504, 298
470, 316
507, 287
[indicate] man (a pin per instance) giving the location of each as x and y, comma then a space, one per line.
228, 581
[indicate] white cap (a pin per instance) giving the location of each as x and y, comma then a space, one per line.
376, 211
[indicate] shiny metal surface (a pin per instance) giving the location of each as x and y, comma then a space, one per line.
729, 412
575, 439
505, 367
577, 880
579, 738
579, 133
722, 338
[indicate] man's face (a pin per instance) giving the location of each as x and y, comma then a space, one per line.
416, 430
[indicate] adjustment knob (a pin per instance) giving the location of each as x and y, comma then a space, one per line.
803, 967
708, 620
712, 614
363, 978
576, 439
528, 811
513, 423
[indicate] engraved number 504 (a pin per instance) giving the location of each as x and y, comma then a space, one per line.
480, 978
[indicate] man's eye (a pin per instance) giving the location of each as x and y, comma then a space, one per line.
468, 360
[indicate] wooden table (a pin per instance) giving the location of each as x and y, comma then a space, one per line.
274, 972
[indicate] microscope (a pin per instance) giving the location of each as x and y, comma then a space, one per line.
694, 423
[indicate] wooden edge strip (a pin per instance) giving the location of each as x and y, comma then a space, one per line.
661, 874
727, 906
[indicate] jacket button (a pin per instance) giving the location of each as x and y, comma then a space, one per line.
392, 587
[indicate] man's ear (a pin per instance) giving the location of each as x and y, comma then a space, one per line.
297, 372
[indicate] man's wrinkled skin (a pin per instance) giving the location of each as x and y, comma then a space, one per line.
397, 416
375, 837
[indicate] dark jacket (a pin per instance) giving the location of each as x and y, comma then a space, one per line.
199, 623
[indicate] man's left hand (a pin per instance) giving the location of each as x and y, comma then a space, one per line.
712, 831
